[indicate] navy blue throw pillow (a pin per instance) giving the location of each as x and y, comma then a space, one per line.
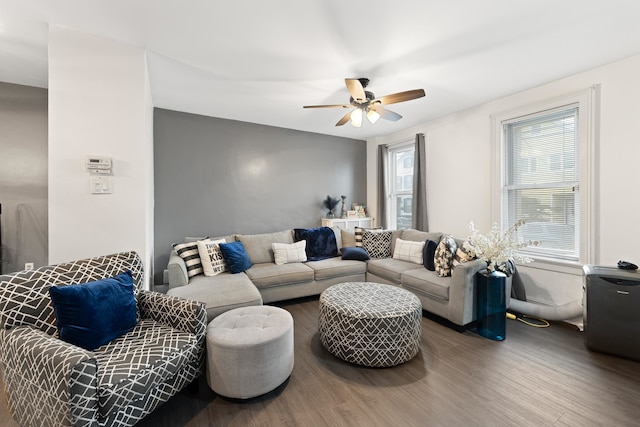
355, 253
235, 256
428, 254
321, 242
93, 314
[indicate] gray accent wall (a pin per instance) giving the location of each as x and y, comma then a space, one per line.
23, 176
216, 177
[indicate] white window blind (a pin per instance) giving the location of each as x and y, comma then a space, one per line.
541, 180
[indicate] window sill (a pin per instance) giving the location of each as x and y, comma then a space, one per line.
555, 265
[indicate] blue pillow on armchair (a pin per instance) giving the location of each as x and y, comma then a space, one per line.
92, 314
321, 242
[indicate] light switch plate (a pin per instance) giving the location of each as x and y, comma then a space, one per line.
100, 185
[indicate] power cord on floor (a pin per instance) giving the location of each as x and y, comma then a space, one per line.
526, 320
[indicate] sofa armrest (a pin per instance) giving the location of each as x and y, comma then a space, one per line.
180, 313
177, 270
462, 292
48, 381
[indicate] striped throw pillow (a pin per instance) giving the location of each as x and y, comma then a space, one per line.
189, 253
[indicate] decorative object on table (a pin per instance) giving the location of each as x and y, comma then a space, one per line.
351, 214
343, 211
498, 249
330, 203
360, 210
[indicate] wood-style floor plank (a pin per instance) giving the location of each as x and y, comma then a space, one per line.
536, 377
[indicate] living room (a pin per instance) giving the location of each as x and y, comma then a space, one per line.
98, 100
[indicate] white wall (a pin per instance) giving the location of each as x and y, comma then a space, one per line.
99, 103
459, 182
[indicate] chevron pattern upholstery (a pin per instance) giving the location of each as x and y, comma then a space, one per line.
49, 382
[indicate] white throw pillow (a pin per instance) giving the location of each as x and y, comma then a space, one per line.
211, 257
285, 253
407, 250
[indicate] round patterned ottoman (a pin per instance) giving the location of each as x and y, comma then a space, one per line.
370, 324
249, 351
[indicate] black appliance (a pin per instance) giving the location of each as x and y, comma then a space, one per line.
612, 310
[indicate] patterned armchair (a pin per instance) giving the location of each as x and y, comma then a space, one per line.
51, 382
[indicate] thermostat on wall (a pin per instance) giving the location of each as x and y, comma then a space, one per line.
98, 164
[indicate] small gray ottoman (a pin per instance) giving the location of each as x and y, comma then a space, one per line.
249, 351
370, 324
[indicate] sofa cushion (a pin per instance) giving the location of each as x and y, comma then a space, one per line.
337, 231
377, 243
258, 246
125, 375
348, 239
285, 253
429, 253
420, 236
211, 257
94, 313
336, 267
407, 250
269, 274
389, 268
221, 293
355, 254
463, 254
359, 234
235, 256
443, 258
321, 242
189, 253
426, 282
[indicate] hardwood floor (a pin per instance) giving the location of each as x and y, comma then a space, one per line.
536, 377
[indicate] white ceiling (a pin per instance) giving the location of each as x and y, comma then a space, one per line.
261, 61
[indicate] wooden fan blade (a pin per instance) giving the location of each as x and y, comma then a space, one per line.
400, 97
328, 106
386, 114
356, 90
344, 119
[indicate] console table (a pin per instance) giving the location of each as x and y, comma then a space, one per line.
348, 223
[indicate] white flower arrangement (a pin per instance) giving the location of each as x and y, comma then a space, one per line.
498, 248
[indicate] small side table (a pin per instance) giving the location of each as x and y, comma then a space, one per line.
491, 305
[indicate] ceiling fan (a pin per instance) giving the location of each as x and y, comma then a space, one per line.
366, 103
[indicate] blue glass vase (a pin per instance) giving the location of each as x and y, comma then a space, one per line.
491, 305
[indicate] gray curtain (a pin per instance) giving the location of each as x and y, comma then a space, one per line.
383, 160
419, 202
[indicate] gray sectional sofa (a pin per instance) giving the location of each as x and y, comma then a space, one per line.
451, 298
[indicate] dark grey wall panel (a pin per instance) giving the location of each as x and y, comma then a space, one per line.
23, 176
215, 177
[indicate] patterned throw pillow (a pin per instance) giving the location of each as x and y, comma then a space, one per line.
463, 254
443, 258
285, 253
211, 257
189, 253
407, 250
377, 243
359, 233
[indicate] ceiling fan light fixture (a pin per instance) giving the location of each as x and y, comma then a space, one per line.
356, 118
372, 116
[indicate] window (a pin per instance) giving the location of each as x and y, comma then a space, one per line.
546, 176
401, 186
